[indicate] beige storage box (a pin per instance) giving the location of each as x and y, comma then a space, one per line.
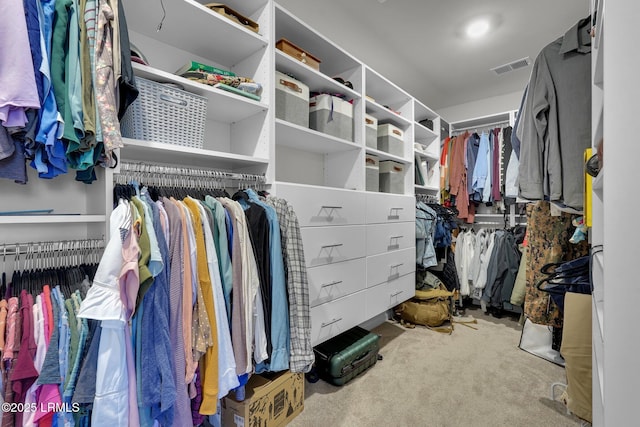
371, 131
292, 100
392, 177
391, 139
331, 115
372, 167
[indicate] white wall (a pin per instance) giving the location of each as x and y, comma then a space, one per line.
484, 107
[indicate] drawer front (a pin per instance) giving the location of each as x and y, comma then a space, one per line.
389, 294
389, 266
332, 318
323, 206
382, 238
382, 208
330, 282
329, 245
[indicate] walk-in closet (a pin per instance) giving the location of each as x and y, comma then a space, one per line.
287, 212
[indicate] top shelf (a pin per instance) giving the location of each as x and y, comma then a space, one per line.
208, 34
334, 60
385, 115
317, 81
384, 91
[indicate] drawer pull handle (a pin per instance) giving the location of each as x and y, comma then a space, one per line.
395, 294
331, 207
397, 237
394, 213
325, 324
326, 285
332, 246
397, 265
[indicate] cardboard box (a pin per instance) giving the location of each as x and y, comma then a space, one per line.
331, 115
292, 100
270, 401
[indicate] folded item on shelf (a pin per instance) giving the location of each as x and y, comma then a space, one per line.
244, 84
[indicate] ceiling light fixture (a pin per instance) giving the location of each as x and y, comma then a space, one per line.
477, 28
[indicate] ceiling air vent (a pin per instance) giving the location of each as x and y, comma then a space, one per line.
518, 63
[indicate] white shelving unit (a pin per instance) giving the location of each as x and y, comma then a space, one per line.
324, 178
237, 130
614, 108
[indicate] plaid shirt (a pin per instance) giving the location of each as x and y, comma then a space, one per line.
301, 355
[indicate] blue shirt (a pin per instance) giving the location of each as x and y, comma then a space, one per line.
481, 168
221, 243
279, 358
157, 383
49, 159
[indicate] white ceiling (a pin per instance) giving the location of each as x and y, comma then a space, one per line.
420, 46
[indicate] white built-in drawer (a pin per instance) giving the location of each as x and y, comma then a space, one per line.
383, 208
331, 318
389, 266
328, 245
330, 282
323, 206
389, 294
382, 238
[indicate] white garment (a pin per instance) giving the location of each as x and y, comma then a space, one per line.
481, 244
468, 252
511, 179
111, 405
485, 258
259, 340
227, 378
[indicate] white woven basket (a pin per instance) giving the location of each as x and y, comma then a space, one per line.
162, 113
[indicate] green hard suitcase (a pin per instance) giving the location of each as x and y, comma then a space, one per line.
343, 357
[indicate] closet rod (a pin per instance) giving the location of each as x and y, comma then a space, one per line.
158, 169
482, 126
40, 248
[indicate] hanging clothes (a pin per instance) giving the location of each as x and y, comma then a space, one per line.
548, 242
556, 122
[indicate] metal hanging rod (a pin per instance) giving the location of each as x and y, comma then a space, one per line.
427, 198
51, 247
140, 169
481, 126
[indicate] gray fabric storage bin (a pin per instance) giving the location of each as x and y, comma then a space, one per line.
372, 167
292, 100
392, 177
390, 139
331, 115
371, 131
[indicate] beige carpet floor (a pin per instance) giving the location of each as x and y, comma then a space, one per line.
471, 378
